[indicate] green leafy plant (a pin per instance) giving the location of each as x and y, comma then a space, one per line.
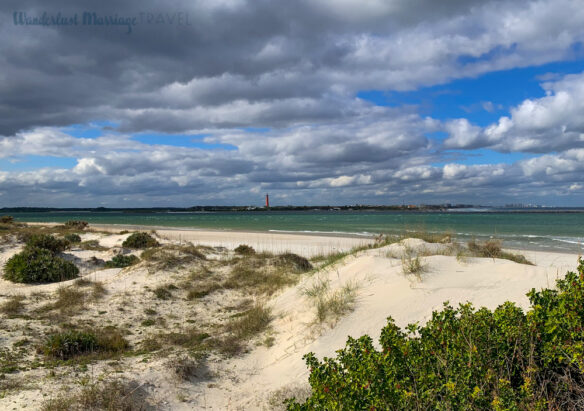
140, 240
121, 261
464, 358
72, 238
47, 242
38, 265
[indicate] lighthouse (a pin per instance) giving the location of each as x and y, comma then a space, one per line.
267, 201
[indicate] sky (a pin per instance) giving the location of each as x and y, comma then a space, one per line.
179, 103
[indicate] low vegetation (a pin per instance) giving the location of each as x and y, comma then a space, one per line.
92, 245
6, 219
331, 304
13, 306
140, 241
251, 322
244, 249
412, 263
72, 238
492, 249
122, 261
465, 358
170, 257
38, 265
110, 396
76, 224
72, 343
47, 242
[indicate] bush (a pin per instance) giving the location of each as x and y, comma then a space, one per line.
140, 240
465, 359
121, 261
37, 265
244, 249
47, 242
73, 238
76, 224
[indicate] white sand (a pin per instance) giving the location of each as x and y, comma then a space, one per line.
247, 382
383, 291
302, 244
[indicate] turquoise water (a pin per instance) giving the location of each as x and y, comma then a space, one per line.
548, 231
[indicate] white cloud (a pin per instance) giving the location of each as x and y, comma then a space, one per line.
550, 123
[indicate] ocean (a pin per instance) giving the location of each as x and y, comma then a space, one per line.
552, 231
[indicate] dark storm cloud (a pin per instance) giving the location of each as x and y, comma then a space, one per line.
268, 63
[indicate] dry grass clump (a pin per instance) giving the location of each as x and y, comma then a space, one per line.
97, 288
111, 396
261, 280
92, 245
193, 339
250, 322
325, 260
69, 299
202, 289
185, 368
164, 292
277, 398
170, 257
265, 273
331, 305
294, 262
492, 249
429, 237
13, 306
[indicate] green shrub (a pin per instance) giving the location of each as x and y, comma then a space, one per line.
37, 265
121, 261
76, 224
73, 238
70, 344
140, 240
47, 242
244, 249
465, 358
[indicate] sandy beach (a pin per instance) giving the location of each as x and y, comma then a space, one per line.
270, 367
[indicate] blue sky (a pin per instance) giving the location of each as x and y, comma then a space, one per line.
467, 102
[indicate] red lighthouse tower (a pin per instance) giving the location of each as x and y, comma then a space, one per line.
267, 201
